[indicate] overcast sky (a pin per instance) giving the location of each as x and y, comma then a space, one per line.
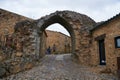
98, 10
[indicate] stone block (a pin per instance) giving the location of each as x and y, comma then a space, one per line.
15, 69
28, 65
2, 72
2, 57
19, 54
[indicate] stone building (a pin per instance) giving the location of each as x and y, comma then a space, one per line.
105, 45
61, 42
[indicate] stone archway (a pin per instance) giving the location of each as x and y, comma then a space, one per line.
27, 38
75, 23
78, 25
64, 23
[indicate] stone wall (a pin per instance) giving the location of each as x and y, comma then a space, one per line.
18, 56
8, 21
12, 58
18, 37
111, 30
22, 45
43, 46
60, 41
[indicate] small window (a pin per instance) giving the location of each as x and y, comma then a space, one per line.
117, 42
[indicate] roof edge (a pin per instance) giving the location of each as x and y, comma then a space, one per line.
106, 22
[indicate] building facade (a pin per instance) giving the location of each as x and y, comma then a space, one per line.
58, 41
106, 43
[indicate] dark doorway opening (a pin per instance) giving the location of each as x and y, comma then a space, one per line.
118, 64
102, 52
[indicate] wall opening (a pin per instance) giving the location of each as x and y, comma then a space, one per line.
58, 40
102, 52
57, 19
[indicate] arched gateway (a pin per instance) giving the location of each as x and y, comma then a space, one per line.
72, 21
76, 24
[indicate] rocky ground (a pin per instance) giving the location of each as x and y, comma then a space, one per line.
59, 67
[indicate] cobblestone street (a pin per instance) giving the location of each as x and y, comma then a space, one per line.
58, 67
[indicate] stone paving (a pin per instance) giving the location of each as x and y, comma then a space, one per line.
58, 67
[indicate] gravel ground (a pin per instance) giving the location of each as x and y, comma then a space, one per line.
58, 67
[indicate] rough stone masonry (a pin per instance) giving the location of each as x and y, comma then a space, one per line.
27, 36
24, 44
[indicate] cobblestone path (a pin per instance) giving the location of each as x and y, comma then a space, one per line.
58, 67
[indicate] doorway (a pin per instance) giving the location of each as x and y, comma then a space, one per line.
102, 52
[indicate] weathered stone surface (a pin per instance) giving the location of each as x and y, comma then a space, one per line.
23, 30
8, 21
27, 38
15, 69
11, 45
28, 65
19, 54
24, 45
77, 25
2, 57
2, 72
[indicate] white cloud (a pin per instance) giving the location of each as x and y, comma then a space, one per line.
99, 10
